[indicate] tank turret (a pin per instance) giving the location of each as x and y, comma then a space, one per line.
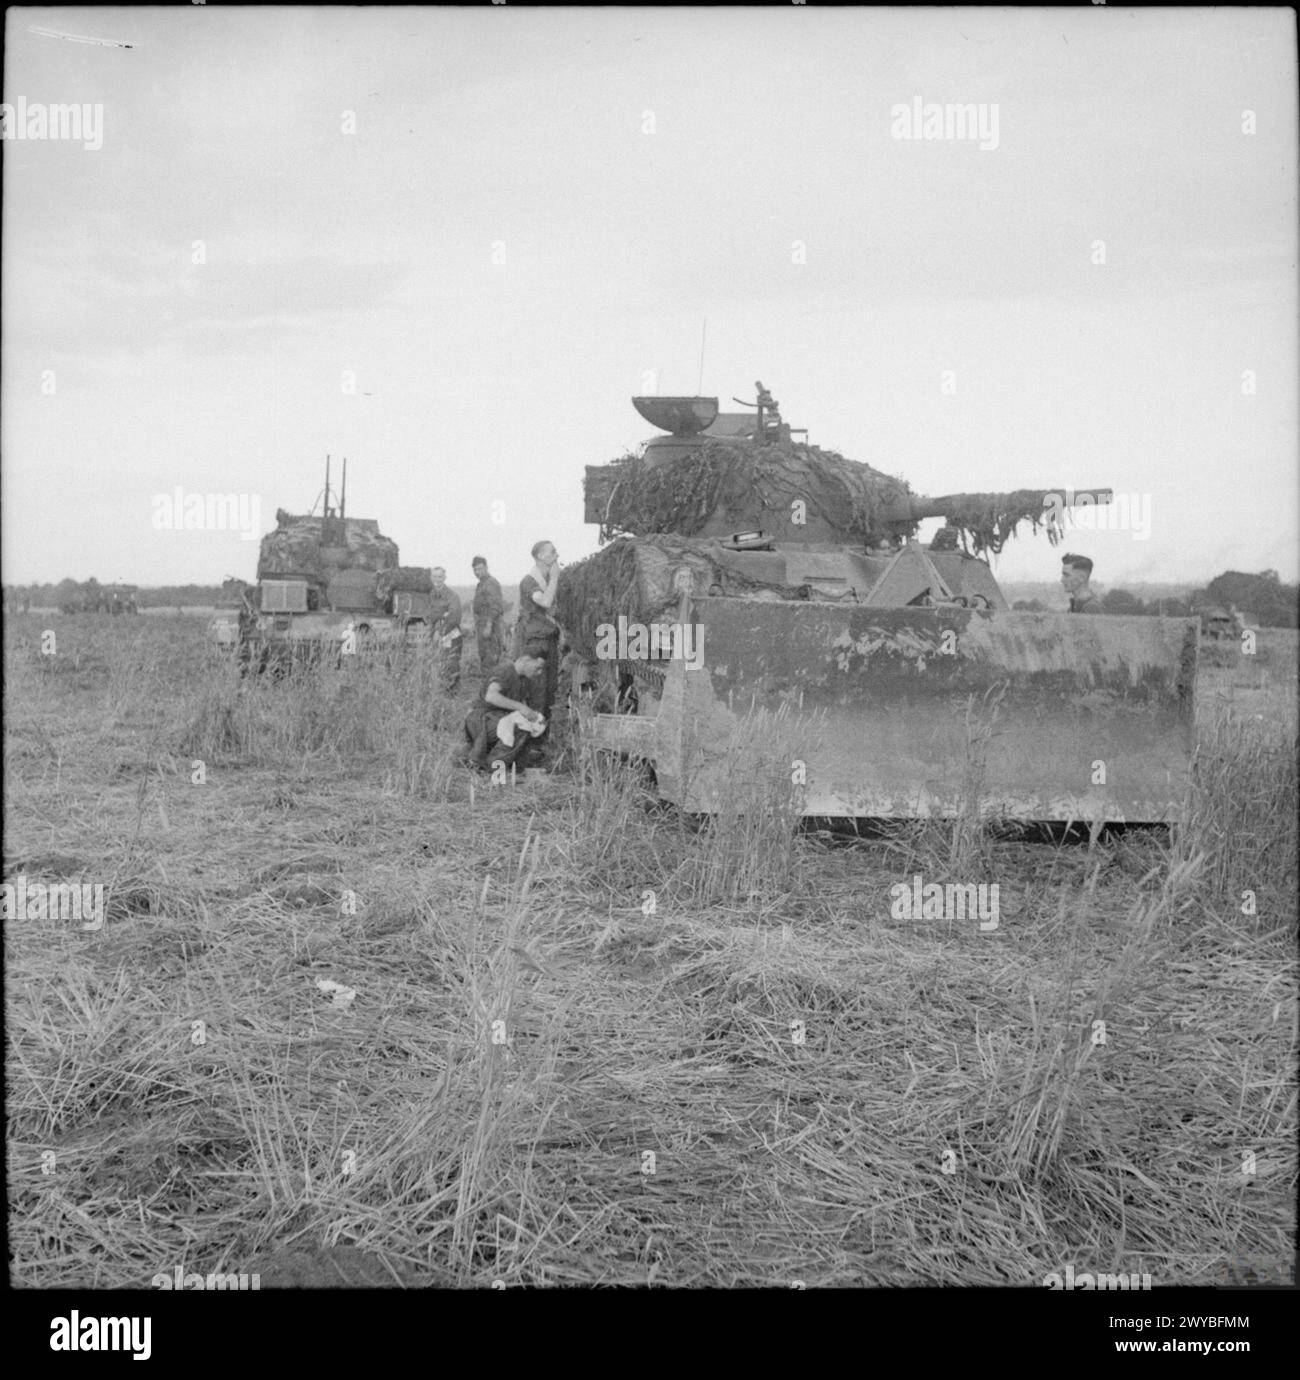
718, 475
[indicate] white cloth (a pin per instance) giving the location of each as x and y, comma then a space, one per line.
506, 727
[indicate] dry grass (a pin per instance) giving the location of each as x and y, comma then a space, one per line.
722, 1060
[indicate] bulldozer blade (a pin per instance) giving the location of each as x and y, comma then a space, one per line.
929, 712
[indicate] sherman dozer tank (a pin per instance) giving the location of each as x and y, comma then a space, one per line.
326, 584
753, 583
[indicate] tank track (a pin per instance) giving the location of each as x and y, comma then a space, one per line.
646, 675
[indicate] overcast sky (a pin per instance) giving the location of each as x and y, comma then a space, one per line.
535, 211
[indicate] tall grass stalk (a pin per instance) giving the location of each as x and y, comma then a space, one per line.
1243, 815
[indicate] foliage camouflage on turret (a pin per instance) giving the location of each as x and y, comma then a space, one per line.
296, 547
681, 495
746, 482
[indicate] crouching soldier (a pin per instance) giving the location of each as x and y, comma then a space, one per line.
504, 695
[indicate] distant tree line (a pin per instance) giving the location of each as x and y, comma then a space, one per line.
89, 595
1263, 598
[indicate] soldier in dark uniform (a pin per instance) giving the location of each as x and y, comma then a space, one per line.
445, 614
504, 692
247, 624
1075, 573
536, 631
489, 612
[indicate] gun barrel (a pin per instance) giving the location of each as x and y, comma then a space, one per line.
914, 507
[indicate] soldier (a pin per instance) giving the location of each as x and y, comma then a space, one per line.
1075, 573
247, 626
503, 693
489, 610
445, 614
771, 426
536, 631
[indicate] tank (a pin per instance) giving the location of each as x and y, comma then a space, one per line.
120, 598
92, 597
746, 570
1218, 624
326, 583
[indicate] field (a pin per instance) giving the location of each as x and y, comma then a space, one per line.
594, 1043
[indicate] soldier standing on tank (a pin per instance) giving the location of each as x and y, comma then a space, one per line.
489, 610
445, 614
536, 631
1075, 573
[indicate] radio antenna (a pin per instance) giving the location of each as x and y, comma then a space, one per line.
704, 330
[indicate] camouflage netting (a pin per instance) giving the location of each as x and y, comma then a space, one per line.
741, 481
749, 485
633, 576
415, 579
295, 547
985, 521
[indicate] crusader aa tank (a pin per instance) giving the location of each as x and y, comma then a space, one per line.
325, 583
796, 585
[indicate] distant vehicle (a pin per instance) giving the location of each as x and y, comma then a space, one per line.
223, 626
1218, 624
91, 597
327, 584
121, 598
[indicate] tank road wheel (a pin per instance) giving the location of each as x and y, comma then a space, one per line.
309, 654
252, 656
605, 687
367, 645
626, 699
277, 659
417, 633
